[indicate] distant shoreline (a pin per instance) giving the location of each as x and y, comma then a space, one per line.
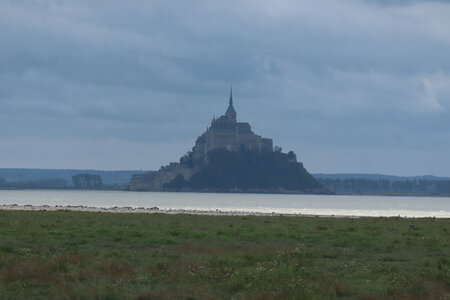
340, 183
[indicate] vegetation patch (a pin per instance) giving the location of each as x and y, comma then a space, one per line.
79, 255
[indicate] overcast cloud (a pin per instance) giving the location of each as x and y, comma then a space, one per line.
350, 86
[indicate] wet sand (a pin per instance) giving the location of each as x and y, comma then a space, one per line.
150, 210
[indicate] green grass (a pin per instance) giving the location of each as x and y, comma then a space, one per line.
78, 255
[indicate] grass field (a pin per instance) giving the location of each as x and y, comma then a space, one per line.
79, 255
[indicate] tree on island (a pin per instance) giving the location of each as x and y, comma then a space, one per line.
188, 159
87, 181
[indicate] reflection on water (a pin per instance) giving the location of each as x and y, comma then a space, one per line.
304, 204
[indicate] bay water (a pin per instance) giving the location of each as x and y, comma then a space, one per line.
327, 205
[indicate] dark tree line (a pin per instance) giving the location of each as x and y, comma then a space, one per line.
360, 185
87, 181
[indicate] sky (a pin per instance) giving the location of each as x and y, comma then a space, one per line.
351, 86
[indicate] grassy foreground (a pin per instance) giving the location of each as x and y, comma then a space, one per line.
78, 255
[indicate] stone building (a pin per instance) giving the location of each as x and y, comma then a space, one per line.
226, 132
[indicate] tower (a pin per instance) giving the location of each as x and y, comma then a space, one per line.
231, 112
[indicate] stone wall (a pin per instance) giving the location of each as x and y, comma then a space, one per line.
155, 180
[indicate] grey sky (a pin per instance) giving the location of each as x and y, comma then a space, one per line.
350, 86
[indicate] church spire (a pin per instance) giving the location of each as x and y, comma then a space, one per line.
231, 95
231, 113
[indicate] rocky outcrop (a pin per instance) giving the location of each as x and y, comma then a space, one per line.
229, 171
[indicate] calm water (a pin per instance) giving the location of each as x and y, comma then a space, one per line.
304, 204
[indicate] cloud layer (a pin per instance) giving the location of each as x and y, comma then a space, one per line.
351, 86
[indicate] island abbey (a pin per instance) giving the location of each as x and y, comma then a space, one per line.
230, 157
225, 132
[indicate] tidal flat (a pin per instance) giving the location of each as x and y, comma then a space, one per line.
97, 255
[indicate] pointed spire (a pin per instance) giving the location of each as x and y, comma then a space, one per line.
231, 113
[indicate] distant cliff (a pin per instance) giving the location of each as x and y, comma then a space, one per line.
228, 171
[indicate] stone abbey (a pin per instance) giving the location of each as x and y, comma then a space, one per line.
225, 132
230, 157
